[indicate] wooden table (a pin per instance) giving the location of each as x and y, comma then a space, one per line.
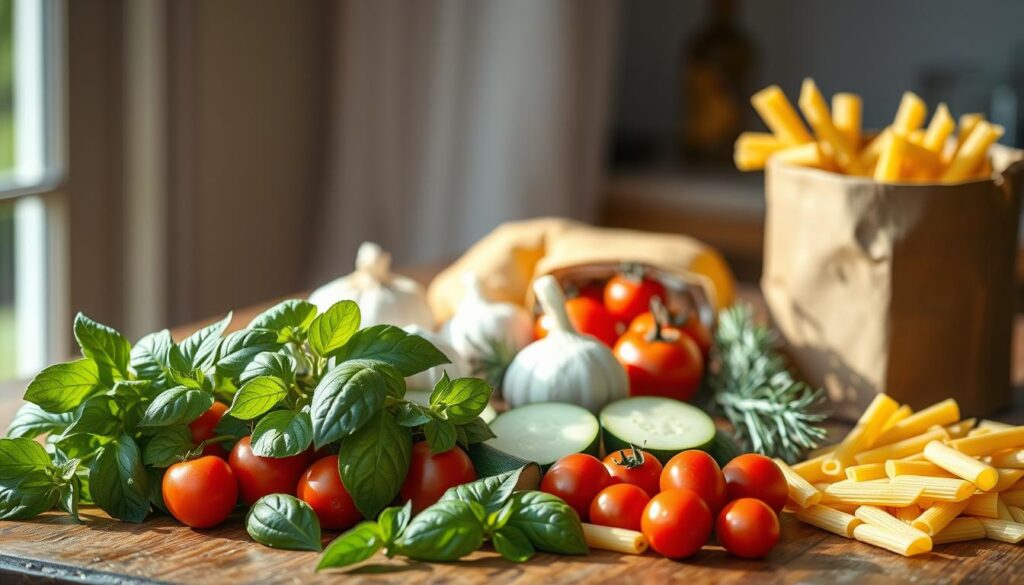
53, 549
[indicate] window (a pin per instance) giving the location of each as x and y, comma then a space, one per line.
30, 170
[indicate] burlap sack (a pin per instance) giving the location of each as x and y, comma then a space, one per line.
905, 289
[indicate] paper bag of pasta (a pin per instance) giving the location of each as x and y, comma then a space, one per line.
889, 263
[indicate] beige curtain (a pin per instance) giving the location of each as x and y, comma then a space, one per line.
449, 117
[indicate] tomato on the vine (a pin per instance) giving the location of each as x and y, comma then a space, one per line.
636, 467
697, 471
686, 322
577, 479
588, 317
620, 506
661, 363
756, 476
676, 523
200, 493
629, 293
747, 528
430, 475
259, 476
203, 428
320, 487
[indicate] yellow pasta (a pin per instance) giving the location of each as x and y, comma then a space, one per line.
1003, 531
754, 148
807, 155
1017, 513
904, 448
815, 109
618, 540
960, 429
910, 114
963, 466
870, 493
960, 530
967, 124
829, 519
983, 505
800, 490
895, 467
990, 443
939, 129
1012, 498
846, 116
937, 517
939, 489
908, 514
895, 541
1003, 512
876, 516
968, 157
811, 469
942, 413
1008, 478
1010, 458
862, 436
890, 162
901, 414
867, 472
780, 117
994, 425
873, 149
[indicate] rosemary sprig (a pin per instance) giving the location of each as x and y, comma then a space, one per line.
772, 413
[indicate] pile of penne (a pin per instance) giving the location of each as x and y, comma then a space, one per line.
905, 151
906, 481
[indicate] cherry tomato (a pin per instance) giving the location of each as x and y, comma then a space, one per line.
591, 290
637, 467
676, 523
430, 475
697, 471
621, 506
756, 476
203, 428
628, 295
668, 365
747, 528
577, 479
258, 476
321, 488
688, 323
200, 493
587, 316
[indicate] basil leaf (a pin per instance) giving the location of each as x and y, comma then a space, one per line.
512, 544
549, 523
150, 356
440, 435
374, 461
241, 347
477, 431
283, 521
62, 387
155, 477
350, 395
410, 354
491, 492
282, 433
392, 522
118, 482
356, 545
167, 446
446, 531
462, 400
292, 315
179, 405
100, 415
257, 396
81, 445
270, 363
233, 427
411, 415
28, 496
31, 421
332, 329
20, 457
199, 350
68, 497
103, 344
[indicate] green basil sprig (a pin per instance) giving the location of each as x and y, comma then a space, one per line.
283, 521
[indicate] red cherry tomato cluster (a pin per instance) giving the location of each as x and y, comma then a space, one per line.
678, 506
663, 354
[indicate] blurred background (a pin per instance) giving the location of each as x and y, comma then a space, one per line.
164, 161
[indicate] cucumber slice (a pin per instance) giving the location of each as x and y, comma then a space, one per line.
545, 432
662, 425
423, 398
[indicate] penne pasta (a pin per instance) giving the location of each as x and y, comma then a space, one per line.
1003, 531
890, 161
939, 129
1008, 478
816, 111
1009, 458
1003, 512
811, 469
904, 448
990, 443
869, 493
942, 413
897, 467
614, 539
960, 530
939, 489
895, 541
970, 154
1017, 513
780, 117
863, 435
966, 126
1013, 498
994, 425
807, 155
877, 517
983, 505
753, 149
960, 429
866, 472
800, 490
901, 413
910, 114
908, 514
846, 116
830, 519
936, 518
961, 465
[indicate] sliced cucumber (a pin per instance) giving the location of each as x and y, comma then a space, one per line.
662, 425
423, 397
545, 432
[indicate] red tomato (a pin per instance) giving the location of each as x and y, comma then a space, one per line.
747, 528
203, 428
200, 493
691, 326
756, 476
628, 295
577, 479
321, 488
587, 316
637, 467
661, 366
697, 471
258, 476
676, 523
621, 506
430, 476
591, 290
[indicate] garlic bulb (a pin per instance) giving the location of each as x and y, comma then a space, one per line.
458, 368
565, 366
383, 297
488, 334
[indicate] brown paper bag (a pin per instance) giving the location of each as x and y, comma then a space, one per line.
905, 289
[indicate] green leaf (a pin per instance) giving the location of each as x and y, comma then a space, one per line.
167, 446
103, 344
178, 405
81, 445
411, 415
373, 463
334, 327
440, 435
446, 531
350, 395
118, 482
287, 317
282, 433
354, 546
549, 523
233, 427
283, 521
270, 363
20, 457
512, 544
199, 350
462, 400
491, 492
155, 477
62, 387
101, 415
31, 421
28, 495
69, 496
257, 396
477, 431
410, 354
241, 347
392, 522
151, 355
